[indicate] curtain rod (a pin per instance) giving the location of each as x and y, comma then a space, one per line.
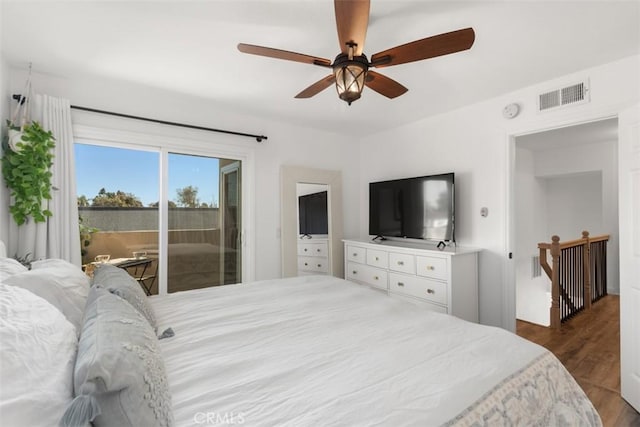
259, 138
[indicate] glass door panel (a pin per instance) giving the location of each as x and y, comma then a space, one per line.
197, 252
118, 193
231, 215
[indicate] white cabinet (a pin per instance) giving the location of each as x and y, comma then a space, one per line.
313, 256
445, 281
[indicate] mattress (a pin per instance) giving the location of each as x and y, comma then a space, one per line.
317, 350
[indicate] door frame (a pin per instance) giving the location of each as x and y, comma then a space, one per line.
629, 226
236, 166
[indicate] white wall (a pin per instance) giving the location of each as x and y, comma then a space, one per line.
574, 204
302, 189
286, 144
474, 142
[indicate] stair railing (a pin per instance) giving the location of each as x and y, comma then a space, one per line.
578, 274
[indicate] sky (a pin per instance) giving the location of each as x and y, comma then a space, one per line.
137, 172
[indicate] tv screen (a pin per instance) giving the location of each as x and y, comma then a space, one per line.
415, 208
312, 213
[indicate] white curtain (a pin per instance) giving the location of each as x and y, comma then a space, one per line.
59, 236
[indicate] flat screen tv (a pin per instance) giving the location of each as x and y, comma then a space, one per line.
312, 213
413, 208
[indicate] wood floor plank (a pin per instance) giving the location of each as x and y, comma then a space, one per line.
589, 347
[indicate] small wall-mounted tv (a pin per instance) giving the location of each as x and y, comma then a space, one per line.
312, 213
414, 208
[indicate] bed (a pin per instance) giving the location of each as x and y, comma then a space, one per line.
307, 351
318, 350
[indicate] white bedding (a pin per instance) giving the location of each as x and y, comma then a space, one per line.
320, 351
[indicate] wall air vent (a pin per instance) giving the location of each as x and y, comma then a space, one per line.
570, 95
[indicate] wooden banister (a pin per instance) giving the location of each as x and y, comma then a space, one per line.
555, 282
556, 248
586, 268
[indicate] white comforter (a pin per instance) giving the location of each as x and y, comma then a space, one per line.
321, 351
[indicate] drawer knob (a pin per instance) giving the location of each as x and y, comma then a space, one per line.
400, 284
430, 267
355, 254
376, 278
400, 262
305, 249
354, 272
377, 259
305, 264
431, 291
319, 265
317, 250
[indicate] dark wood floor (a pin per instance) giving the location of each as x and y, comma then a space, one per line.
589, 346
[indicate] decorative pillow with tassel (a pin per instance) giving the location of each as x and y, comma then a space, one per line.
119, 376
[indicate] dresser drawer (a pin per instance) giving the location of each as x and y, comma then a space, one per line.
314, 264
423, 303
312, 249
430, 290
356, 254
367, 275
403, 263
377, 258
432, 267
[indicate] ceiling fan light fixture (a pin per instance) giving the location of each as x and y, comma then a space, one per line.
350, 76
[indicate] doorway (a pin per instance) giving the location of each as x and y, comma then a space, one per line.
564, 182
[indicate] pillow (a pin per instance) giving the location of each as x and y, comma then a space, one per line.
62, 284
10, 267
119, 282
37, 359
119, 376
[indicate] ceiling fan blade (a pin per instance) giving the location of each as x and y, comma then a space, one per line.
442, 44
283, 54
317, 87
352, 19
384, 85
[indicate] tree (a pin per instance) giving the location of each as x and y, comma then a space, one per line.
118, 199
83, 201
188, 197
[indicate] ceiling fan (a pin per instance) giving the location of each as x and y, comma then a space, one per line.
351, 68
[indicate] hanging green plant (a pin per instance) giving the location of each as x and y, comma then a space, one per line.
26, 171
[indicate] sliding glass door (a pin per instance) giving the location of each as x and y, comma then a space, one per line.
119, 195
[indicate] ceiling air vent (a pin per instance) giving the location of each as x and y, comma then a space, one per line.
570, 95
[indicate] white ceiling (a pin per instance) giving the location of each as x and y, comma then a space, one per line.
190, 47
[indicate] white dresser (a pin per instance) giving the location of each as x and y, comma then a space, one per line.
313, 256
445, 281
